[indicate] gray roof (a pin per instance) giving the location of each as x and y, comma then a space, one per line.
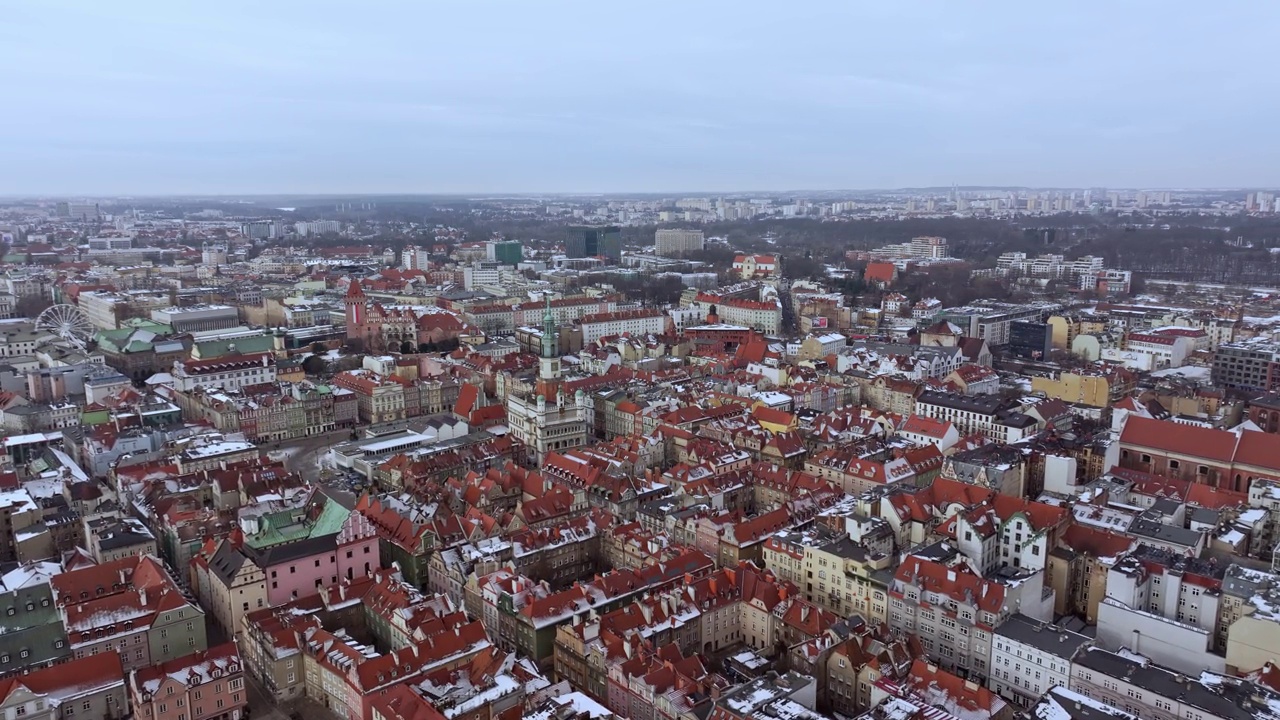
1145, 528
284, 552
1228, 698
226, 563
1045, 637
113, 534
1060, 702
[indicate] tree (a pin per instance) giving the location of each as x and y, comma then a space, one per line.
406, 347
315, 365
31, 305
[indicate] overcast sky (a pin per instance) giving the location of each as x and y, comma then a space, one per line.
539, 95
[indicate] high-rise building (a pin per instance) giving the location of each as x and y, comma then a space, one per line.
507, 252
79, 211
415, 258
603, 241
260, 229
675, 242
317, 227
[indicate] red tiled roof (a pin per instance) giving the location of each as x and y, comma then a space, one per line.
1175, 437
960, 583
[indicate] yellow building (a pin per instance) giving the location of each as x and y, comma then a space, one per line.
1092, 389
846, 578
1062, 330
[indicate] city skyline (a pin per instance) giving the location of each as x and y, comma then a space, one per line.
158, 100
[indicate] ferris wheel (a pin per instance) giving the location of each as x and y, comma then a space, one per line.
67, 322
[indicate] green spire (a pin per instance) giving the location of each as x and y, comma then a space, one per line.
548, 331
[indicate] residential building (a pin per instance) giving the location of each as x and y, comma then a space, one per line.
207, 685
89, 687
1029, 657
281, 556
1141, 688
986, 414
131, 606
955, 611
676, 242
1252, 365
112, 539
35, 635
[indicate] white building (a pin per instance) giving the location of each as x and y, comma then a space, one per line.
105, 309
676, 242
1028, 657
985, 414
415, 258
317, 227
920, 248
1145, 689
1160, 350
482, 273
229, 373
645, 321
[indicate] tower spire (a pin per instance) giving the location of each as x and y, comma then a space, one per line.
548, 331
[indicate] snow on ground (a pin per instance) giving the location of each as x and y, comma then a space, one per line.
282, 454
1189, 372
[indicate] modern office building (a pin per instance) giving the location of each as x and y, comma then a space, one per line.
586, 242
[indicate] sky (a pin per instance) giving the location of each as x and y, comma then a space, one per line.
506, 96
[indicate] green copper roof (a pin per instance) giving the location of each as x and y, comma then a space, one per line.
218, 348
292, 525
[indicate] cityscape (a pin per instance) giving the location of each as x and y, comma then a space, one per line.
562, 361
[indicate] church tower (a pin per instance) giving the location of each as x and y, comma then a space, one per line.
356, 305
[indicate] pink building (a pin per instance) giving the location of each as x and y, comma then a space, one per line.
208, 685
299, 568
